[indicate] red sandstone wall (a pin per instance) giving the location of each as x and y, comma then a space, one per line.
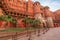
57, 18
47, 12
16, 5
20, 23
36, 7
30, 8
57, 15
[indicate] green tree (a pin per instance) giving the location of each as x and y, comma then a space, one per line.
36, 24
8, 19
3, 21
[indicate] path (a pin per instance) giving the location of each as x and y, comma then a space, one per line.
52, 34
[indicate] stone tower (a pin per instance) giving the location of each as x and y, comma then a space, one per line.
37, 11
30, 9
48, 16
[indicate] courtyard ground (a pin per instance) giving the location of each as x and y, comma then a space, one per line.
52, 34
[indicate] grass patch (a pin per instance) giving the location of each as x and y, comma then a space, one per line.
17, 29
13, 30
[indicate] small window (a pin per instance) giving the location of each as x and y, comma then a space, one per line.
0, 3
36, 3
42, 14
17, 13
11, 12
41, 9
9, 0
6, 13
23, 15
13, 0
14, 13
26, 15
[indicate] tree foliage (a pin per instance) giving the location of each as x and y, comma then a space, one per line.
7, 18
31, 21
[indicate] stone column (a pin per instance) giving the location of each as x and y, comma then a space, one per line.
49, 22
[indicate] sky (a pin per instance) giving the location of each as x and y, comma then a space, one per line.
53, 4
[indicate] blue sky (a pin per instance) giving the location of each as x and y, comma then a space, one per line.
53, 4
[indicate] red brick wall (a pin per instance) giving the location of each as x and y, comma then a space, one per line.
57, 15
16, 5
30, 8
47, 12
36, 7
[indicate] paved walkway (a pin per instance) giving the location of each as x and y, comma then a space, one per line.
52, 34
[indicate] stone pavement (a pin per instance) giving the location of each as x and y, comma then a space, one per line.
52, 34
